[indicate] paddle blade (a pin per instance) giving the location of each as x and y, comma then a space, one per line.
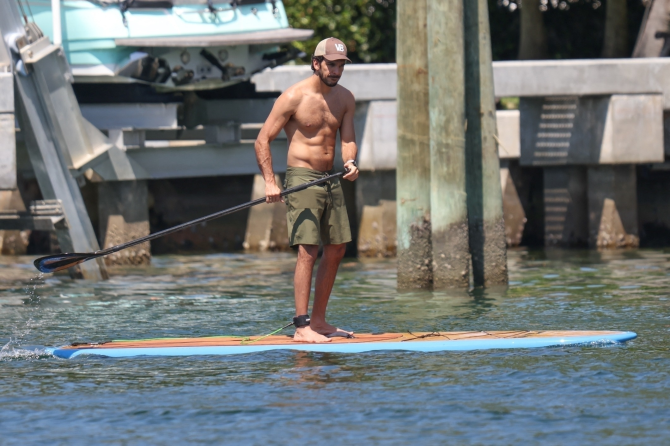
59, 262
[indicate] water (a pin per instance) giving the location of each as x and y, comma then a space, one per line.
572, 395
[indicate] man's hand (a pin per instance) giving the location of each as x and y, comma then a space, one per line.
352, 171
272, 193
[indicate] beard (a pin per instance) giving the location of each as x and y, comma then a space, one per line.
329, 81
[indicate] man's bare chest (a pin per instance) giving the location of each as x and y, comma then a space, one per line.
318, 115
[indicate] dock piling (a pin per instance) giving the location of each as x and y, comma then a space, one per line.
484, 195
123, 212
448, 198
413, 171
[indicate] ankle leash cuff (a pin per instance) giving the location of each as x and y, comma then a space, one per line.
301, 321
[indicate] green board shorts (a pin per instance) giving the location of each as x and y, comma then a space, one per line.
316, 213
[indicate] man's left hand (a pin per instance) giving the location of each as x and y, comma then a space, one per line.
352, 171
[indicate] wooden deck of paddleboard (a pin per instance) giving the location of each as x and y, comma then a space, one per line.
361, 343
367, 338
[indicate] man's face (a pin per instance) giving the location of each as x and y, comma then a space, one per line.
329, 71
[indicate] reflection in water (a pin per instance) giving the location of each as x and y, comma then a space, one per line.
318, 368
606, 395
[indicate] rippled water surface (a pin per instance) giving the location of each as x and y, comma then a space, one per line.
618, 394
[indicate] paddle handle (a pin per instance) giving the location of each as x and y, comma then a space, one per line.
213, 216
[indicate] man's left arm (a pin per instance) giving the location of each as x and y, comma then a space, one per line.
348, 137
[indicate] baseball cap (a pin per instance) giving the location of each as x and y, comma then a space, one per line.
332, 49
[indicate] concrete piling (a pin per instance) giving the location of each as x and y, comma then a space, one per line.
612, 206
266, 225
124, 216
377, 231
565, 206
484, 195
456, 167
514, 214
448, 199
413, 171
13, 242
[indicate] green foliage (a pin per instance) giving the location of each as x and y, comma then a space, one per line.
575, 28
505, 31
367, 27
511, 103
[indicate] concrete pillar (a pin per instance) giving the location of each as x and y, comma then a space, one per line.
374, 186
656, 18
588, 130
484, 194
612, 201
13, 242
377, 231
565, 206
413, 171
448, 200
529, 185
653, 183
124, 216
7, 136
266, 225
515, 216
349, 192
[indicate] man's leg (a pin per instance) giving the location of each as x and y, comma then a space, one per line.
302, 283
325, 278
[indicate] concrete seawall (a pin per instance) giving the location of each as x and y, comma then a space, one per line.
582, 159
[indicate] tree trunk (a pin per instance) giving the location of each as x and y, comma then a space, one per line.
533, 43
616, 29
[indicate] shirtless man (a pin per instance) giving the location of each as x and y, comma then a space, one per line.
311, 112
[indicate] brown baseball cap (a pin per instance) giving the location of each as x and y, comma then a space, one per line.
332, 49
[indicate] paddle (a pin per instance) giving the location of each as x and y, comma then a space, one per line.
58, 262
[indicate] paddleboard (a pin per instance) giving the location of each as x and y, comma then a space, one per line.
415, 342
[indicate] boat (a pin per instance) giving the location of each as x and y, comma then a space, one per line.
359, 343
171, 45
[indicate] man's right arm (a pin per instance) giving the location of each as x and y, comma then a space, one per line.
282, 111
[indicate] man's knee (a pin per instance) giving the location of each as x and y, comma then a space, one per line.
335, 251
308, 253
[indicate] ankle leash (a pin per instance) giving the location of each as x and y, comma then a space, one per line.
301, 321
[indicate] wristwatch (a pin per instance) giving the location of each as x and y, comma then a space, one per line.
352, 162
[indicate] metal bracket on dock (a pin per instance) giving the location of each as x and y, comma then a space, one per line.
37, 51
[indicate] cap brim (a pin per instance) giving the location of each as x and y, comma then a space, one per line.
334, 57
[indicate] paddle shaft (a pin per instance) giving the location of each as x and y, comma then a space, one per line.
206, 218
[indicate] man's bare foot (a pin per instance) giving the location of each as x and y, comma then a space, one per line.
307, 334
326, 329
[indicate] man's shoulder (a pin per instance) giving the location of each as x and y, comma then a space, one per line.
293, 95
344, 90
345, 93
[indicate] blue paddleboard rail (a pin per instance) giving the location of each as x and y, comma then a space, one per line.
362, 347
